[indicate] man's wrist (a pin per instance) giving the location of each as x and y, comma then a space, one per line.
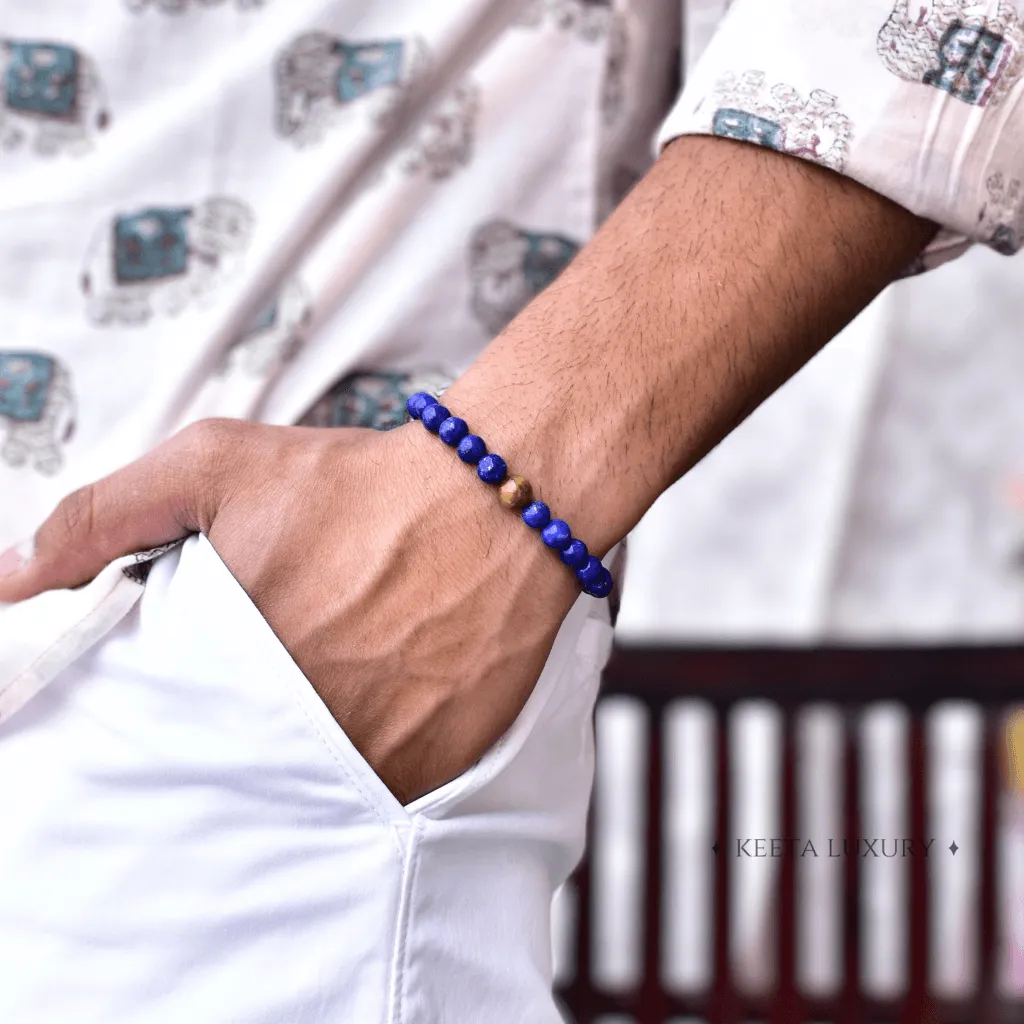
535, 426
726, 268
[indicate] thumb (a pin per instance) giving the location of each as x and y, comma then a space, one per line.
169, 493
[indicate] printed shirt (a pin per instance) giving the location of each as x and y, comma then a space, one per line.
165, 163
920, 100
211, 209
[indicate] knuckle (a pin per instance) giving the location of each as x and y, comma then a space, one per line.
208, 436
204, 454
205, 449
75, 516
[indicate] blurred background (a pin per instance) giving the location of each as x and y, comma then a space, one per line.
809, 803
819, 641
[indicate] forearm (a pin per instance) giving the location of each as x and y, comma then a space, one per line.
721, 274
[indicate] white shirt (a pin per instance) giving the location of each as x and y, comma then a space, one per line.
164, 162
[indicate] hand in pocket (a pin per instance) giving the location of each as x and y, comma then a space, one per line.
420, 609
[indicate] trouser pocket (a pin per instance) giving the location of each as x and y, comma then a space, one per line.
582, 641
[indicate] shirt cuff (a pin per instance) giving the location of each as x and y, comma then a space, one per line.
920, 102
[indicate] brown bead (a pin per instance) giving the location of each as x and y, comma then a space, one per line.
516, 492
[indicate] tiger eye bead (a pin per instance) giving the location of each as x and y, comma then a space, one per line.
516, 492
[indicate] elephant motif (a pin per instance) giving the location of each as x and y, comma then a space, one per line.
444, 141
161, 259
590, 19
958, 46
276, 335
780, 119
38, 405
50, 98
321, 78
1002, 217
509, 266
374, 400
613, 88
180, 6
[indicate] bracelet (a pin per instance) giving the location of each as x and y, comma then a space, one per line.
514, 491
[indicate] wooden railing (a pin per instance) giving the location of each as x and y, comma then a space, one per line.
992, 679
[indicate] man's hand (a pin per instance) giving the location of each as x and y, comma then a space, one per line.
420, 608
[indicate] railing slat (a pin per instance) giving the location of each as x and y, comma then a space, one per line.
723, 1002
788, 1009
849, 679
916, 1007
984, 1010
654, 1003
850, 1001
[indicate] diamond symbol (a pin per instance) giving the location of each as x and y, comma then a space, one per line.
715, 848
953, 848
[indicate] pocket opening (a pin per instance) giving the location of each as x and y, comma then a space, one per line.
373, 789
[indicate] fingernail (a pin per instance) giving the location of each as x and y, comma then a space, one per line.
15, 558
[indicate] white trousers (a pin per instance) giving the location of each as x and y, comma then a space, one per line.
186, 834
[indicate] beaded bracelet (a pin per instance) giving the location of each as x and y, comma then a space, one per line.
514, 491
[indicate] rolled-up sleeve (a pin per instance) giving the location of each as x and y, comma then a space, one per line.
920, 100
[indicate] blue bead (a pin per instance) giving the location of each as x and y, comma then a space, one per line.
602, 586
418, 402
589, 571
492, 469
472, 449
576, 554
452, 430
537, 515
556, 534
433, 416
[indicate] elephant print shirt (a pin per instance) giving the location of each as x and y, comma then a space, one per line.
213, 207
174, 242
920, 100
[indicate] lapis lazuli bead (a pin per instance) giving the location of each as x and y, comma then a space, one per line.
452, 430
589, 571
537, 515
576, 554
602, 586
433, 416
556, 534
418, 402
492, 469
472, 449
